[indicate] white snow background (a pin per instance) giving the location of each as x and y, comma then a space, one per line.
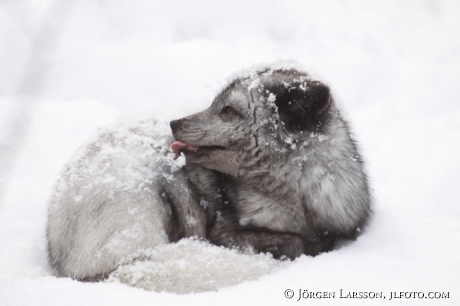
69, 68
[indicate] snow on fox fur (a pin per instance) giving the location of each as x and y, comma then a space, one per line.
270, 167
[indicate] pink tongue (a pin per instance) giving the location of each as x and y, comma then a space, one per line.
178, 146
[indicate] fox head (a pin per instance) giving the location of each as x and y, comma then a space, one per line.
255, 120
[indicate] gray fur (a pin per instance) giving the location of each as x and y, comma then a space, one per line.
278, 172
122, 192
292, 178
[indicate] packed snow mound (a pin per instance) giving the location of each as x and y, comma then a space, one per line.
192, 266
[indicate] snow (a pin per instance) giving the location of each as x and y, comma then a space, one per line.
70, 68
192, 266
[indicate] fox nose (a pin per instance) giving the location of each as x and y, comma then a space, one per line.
173, 124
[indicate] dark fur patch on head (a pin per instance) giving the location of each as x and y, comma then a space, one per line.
302, 105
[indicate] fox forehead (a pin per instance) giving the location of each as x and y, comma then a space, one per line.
234, 97
237, 95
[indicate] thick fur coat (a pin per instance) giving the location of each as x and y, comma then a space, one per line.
292, 178
270, 165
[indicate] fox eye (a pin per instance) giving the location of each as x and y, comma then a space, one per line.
228, 110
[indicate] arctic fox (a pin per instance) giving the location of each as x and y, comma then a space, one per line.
270, 165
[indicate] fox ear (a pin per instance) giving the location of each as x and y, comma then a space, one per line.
303, 106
